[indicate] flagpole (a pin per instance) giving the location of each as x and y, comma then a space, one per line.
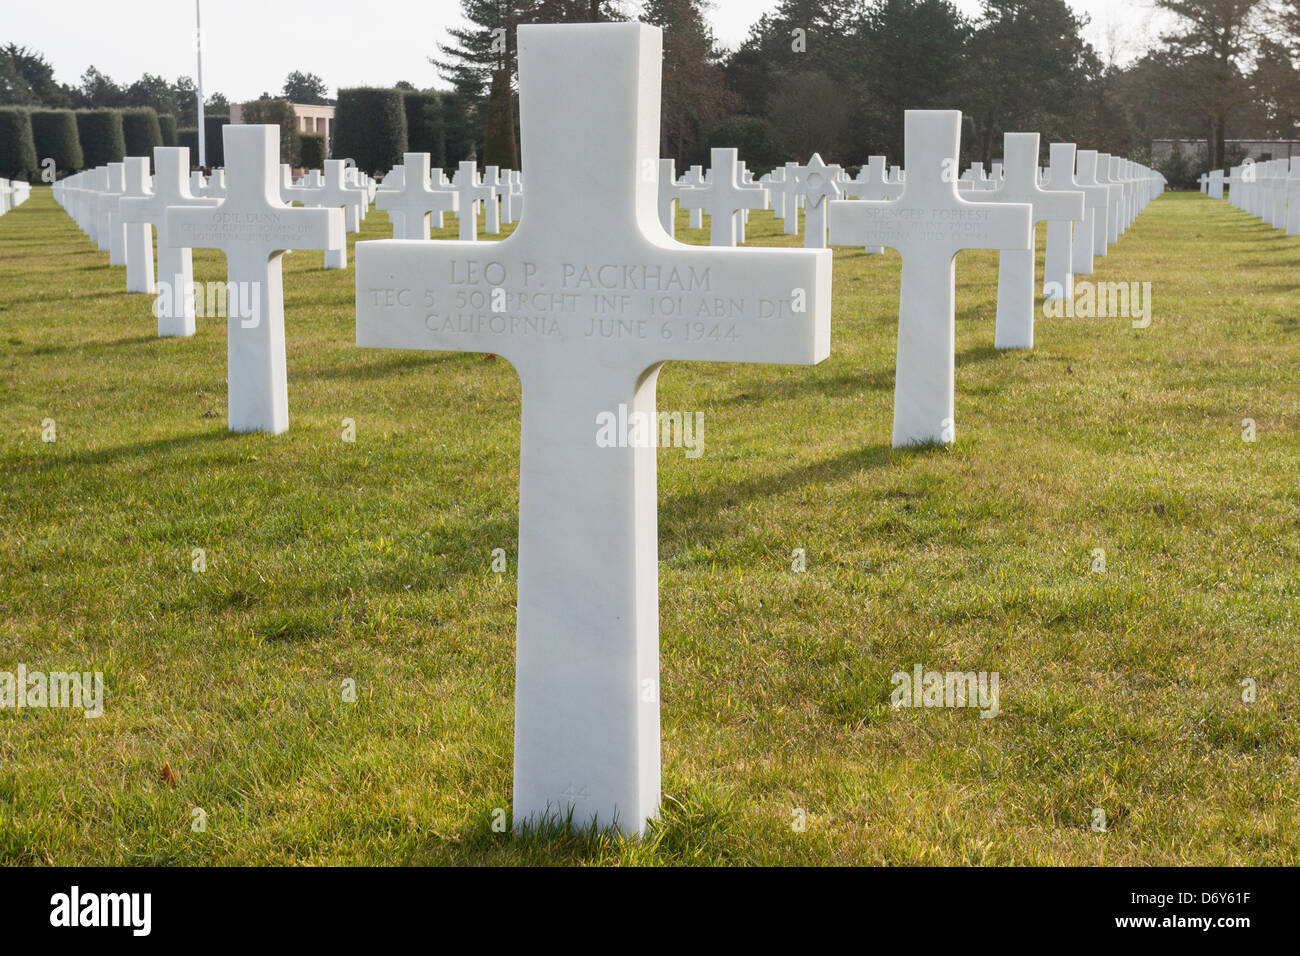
198, 48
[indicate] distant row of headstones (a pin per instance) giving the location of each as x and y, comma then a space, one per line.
587, 298
1269, 190
13, 194
1087, 198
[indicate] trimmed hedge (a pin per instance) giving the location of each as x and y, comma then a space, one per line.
17, 151
460, 127
370, 128
277, 113
312, 153
102, 140
500, 148
55, 135
167, 126
424, 132
141, 131
215, 141
189, 138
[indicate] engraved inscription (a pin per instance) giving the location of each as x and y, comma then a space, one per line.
223, 228
885, 224
598, 302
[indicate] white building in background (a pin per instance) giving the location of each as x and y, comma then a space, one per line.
311, 119
1256, 149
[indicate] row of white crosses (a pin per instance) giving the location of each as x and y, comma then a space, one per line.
1269, 190
91, 199
249, 222
725, 195
728, 193
587, 299
415, 197
13, 194
592, 297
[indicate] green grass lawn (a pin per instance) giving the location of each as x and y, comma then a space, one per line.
371, 561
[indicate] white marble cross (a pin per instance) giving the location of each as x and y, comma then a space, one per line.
414, 199
723, 196
974, 177
1019, 184
111, 235
174, 306
928, 225
394, 182
745, 178
511, 197
139, 243
253, 227
1292, 196
669, 193
693, 178
491, 202
1095, 200
337, 192
1115, 219
1280, 170
871, 183
215, 188
358, 180
1088, 174
1216, 184
774, 182
587, 299
291, 193
1058, 257
471, 192
790, 200
96, 181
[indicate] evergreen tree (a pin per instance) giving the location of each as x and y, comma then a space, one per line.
911, 55
1212, 45
305, 88
98, 91
500, 147
27, 79
694, 98
1029, 70
151, 92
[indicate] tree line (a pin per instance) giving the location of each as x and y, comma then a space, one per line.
828, 76
835, 76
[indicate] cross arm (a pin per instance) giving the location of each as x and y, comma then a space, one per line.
645, 304
271, 229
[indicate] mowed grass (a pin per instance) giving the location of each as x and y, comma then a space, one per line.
371, 561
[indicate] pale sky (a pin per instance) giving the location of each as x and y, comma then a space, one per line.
251, 44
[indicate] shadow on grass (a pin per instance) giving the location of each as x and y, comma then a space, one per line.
382, 367
81, 348
847, 383
696, 827
705, 507
37, 463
